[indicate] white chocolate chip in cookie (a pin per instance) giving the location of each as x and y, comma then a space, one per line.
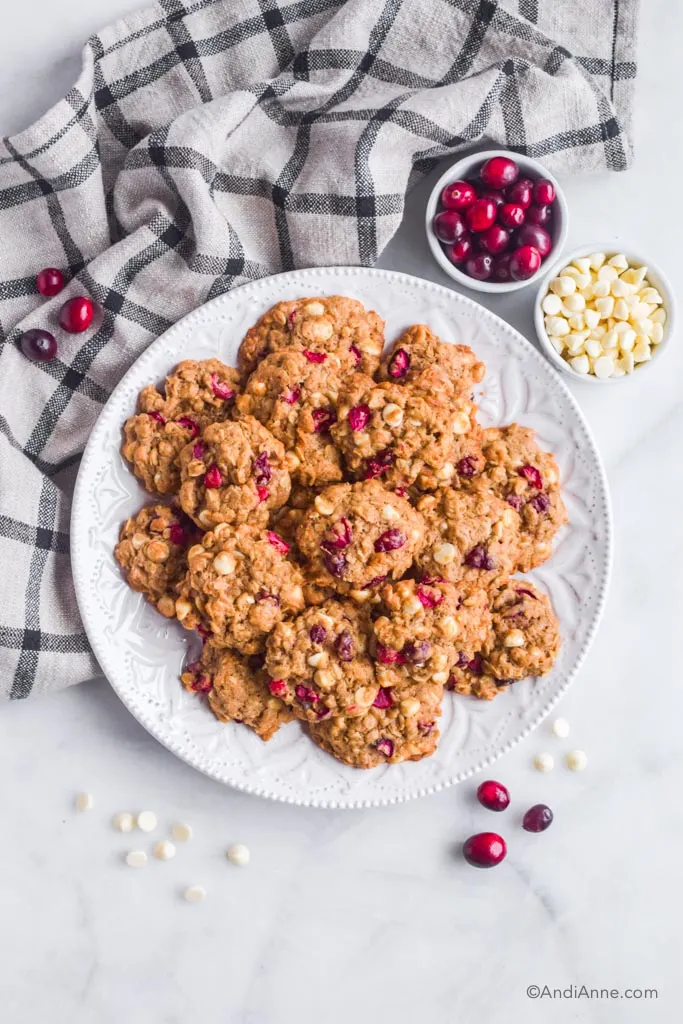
515, 638
443, 554
323, 505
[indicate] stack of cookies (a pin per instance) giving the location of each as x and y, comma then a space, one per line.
341, 532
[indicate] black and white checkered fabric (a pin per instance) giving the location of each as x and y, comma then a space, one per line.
209, 142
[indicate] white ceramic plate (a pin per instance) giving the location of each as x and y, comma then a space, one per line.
141, 653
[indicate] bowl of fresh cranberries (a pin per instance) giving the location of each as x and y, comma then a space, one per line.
495, 221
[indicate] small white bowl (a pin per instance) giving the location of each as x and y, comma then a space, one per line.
467, 168
655, 277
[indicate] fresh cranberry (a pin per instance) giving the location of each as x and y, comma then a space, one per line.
360, 414
277, 687
511, 215
390, 540
541, 215
315, 357
458, 195
399, 364
188, 424
417, 652
525, 262
499, 172
493, 795
177, 534
318, 634
496, 239
323, 420
501, 268
544, 192
479, 267
277, 542
448, 226
262, 493
521, 193
334, 562
385, 747
532, 476
460, 251
494, 195
379, 465
479, 558
221, 389
213, 477
261, 468
384, 698
76, 315
538, 237
484, 850
428, 598
338, 536
39, 346
480, 215
291, 396
538, 818
356, 353
50, 281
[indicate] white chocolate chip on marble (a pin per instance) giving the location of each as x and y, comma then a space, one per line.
164, 850
239, 854
194, 894
136, 859
576, 760
181, 832
146, 821
84, 802
544, 762
123, 822
561, 728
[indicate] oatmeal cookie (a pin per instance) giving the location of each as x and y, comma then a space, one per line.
433, 367
401, 729
195, 394
423, 626
239, 585
319, 662
469, 535
321, 326
152, 551
234, 473
390, 431
356, 535
238, 690
470, 678
529, 480
524, 639
296, 400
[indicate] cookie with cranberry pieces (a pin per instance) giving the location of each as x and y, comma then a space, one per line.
433, 367
471, 536
524, 639
357, 535
240, 583
392, 433
319, 327
470, 679
319, 662
296, 400
398, 729
528, 478
152, 551
234, 473
421, 627
237, 690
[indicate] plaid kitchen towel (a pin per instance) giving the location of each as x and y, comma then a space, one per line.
209, 142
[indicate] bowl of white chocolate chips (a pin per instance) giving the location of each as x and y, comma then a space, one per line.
602, 313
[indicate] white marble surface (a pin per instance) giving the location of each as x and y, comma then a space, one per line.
371, 915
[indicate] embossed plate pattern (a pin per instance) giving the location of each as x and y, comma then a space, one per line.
141, 653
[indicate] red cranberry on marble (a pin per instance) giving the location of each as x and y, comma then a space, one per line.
538, 818
499, 172
480, 215
511, 215
493, 795
544, 192
494, 195
496, 239
448, 226
538, 237
501, 268
541, 215
521, 193
479, 267
76, 314
458, 195
38, 346
524, 262
50, 281
460, 251
484, 850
